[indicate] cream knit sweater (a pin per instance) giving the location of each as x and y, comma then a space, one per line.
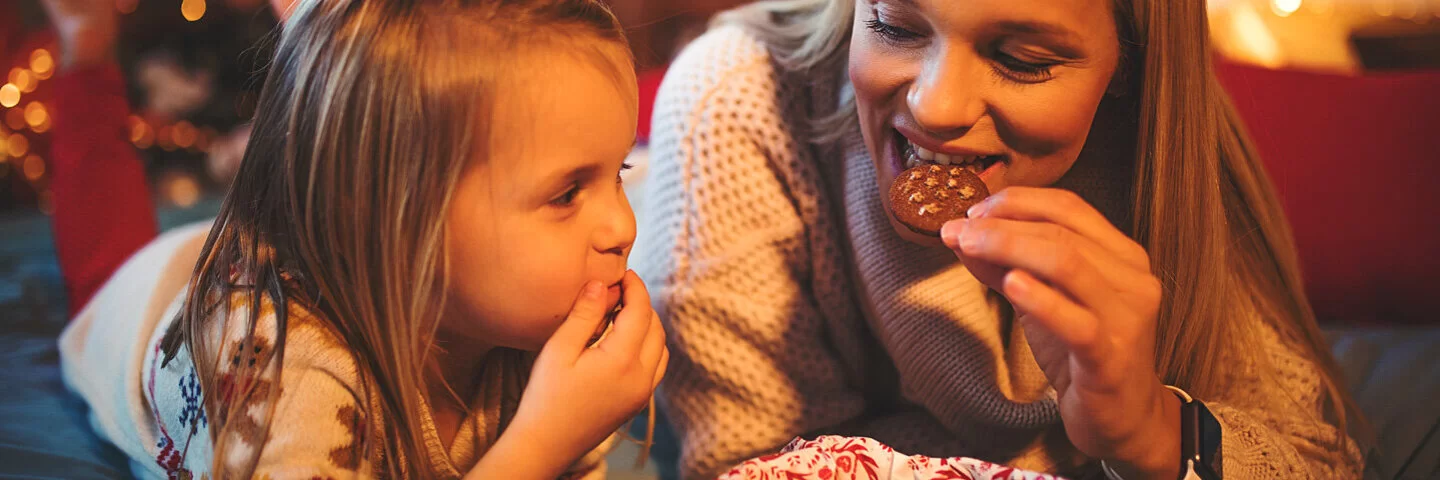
793, 308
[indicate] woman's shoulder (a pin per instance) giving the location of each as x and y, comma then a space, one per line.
728, 60
724, 48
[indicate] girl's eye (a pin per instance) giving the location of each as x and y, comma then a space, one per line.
619, 177
890, 32
1022, 71
567, 198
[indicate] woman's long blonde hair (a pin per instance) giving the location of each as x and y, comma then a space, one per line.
369, 113
1203, 206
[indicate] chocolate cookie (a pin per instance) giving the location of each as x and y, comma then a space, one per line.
927, 196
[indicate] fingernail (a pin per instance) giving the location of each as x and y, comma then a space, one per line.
969, 239
1016, 284
950, 231
978, 209
593, 290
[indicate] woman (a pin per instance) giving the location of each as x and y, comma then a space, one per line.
1134, 243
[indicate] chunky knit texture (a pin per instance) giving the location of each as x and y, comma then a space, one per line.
794, 309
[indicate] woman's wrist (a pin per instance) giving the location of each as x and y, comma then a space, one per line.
1153, 452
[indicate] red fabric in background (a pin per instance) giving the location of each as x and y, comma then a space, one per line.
103, 212
1355, 160
649, 84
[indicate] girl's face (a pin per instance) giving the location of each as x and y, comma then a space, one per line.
543, 213
1011, 86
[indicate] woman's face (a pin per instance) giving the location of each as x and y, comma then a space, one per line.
1008, 88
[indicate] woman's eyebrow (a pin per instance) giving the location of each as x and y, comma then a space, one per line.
1034, 27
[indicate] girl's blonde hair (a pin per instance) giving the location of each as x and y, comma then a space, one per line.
369, 113
1203, 206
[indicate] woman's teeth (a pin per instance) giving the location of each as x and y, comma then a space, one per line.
917, 156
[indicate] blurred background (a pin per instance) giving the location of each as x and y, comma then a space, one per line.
1341, 96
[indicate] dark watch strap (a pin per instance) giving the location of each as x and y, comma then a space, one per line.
1199, 439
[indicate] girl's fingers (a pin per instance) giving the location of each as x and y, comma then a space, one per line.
660, 369
654, 344
570, 338
1046, 308
1064, 208
634, 321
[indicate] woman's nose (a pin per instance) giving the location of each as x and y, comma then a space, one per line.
947, 98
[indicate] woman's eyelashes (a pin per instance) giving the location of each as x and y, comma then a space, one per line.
1022, 71
890, 33
1007, 66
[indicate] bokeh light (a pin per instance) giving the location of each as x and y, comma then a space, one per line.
17, 145
35, 114
192, 9
1284, 7
42, 63
34, 167
9, 95
23, 80
183, 134
15, 118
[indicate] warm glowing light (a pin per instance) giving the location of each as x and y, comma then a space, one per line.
34, 167
35, 114
42, 127
163, 138
23, 79
140, 133
183, 134
15, 118
192, 9
1255, 39
1407, 9
183, 190
17, 145
1284, 7
9, 95
42, 63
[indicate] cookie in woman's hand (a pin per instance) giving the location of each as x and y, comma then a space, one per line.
925, 197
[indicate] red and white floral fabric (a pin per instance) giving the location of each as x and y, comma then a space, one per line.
859, 458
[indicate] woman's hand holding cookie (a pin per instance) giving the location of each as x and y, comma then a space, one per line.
1084, 293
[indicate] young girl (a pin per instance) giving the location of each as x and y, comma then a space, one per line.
428, 186
1133, 245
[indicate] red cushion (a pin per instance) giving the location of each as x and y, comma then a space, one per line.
1353, 158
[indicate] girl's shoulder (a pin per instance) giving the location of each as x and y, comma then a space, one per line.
312, 422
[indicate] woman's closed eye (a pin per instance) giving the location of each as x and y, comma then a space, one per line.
1023, 71
891, 33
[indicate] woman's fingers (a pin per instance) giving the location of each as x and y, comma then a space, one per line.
1064, 208
1046, 308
